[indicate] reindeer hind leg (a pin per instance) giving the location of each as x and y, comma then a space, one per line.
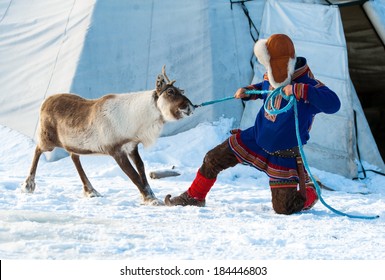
29, 184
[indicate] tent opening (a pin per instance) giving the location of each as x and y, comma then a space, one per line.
366, 56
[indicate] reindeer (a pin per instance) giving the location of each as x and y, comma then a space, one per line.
112, 125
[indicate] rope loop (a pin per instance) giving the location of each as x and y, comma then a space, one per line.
270, 100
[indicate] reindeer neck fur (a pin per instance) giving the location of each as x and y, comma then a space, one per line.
139, 116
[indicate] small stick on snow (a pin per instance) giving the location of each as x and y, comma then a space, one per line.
158, 174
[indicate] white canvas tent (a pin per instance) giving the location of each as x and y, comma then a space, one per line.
94, 47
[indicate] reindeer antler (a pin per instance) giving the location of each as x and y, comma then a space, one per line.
165, 76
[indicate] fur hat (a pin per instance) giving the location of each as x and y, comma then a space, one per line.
277, 54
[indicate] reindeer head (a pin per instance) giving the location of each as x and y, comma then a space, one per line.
171, 101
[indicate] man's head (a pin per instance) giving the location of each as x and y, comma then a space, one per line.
277, 54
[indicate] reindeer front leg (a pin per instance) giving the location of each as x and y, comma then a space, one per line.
135, 157
88, 189
142, 184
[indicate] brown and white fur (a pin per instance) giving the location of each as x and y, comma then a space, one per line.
113, 125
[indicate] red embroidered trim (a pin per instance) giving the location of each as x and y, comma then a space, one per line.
300, 91
258, 161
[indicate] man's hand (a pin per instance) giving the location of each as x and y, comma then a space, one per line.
240, 93
288, 90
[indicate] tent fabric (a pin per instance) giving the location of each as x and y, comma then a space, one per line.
38, 51
375, 11
329, 149
95, 47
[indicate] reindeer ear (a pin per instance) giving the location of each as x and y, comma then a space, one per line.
160, 83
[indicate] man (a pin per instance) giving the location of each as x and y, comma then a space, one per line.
271, 145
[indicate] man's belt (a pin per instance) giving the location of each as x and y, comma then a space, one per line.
288, 153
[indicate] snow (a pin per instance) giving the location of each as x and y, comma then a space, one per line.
50, 50
57, 222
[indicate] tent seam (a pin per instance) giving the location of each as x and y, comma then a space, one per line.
6, 11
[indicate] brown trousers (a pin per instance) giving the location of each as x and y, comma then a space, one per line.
284, 200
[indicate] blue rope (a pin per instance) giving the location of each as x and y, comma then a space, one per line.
270, 100
214, 101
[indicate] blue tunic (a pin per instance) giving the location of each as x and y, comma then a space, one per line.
272, 133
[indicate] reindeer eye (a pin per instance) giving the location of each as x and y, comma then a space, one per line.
170, 91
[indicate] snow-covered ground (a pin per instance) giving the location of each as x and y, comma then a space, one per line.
57, 222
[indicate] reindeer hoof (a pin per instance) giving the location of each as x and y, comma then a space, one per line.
28, 186
92, 193
153, 202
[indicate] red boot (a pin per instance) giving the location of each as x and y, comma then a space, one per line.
311, 197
